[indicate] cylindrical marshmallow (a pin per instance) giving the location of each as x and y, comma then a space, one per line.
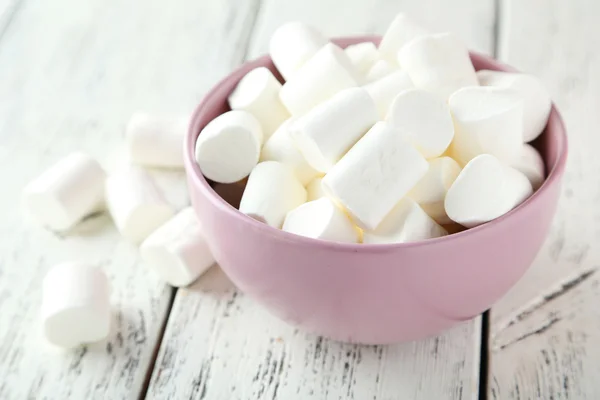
485, 190
327, 132
425, 119
156, 141
66, 192
314, 189
292, 44
385, 90
271, 192
229, 146
537, 103
438, 63
531, 164
75, 305
362, 56
321, 219
380, 69
431, 190
135, 203
407, 222
177, 250
374, 175
487, 120
328, 72
280, 147
400, 32
258, 93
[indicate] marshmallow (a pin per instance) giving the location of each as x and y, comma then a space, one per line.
379, 70
531, 164
292, 44
177, 250
136, 205
229, 146
327, 132
374, 175
314, 190
66, 192
487, 120
400, 32
258, 93
484, 190
431, 190
425, 119
75, 305
328, 72
156, 141
537, 103
385, 90
362, 56
407, 222
280, 147
271, 192
321, 219
438, 63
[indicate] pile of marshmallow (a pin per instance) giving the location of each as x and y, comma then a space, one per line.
390, 144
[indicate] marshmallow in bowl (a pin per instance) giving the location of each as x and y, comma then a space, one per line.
271, 192
385, 90
379, 70
229, 146
484, 190
374, 175
314, 189
400, 32
531, 164
258, 93
363, 56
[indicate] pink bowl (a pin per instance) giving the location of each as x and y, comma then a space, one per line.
374, 293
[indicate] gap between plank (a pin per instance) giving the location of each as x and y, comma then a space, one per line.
484, 357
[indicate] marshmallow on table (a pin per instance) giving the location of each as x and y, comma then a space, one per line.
75, 305
280, 147
400, 32
135, 203
321, 219
374, 175
531, 164
328, 72
487, 120
258, 93
379, 70
362, 56
292, 44
271, 192
438, 63
229, 146
177, 250
385, 90
537, 103
485, 190
314, 189
425, 119
66, 192
328, 131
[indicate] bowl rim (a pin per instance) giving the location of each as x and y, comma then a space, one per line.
197, 179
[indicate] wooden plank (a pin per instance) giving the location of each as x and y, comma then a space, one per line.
220, 345
71, 73
544, 331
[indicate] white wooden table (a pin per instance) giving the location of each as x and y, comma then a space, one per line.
72, 72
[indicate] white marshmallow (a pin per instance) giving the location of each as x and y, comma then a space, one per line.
258, 93
485, 190
400, 32
328, 131
374, 175
66, 192
75, 305
292, 44
156, 141
328, 72
537, 103
229, 146
380, 69
314, 190
177, 250
438, 63
431, 190
135, 203
321, 219
407, 222
280, 147
362, 56
385, 90
425, 119
531, 164
271, 192
487, 120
